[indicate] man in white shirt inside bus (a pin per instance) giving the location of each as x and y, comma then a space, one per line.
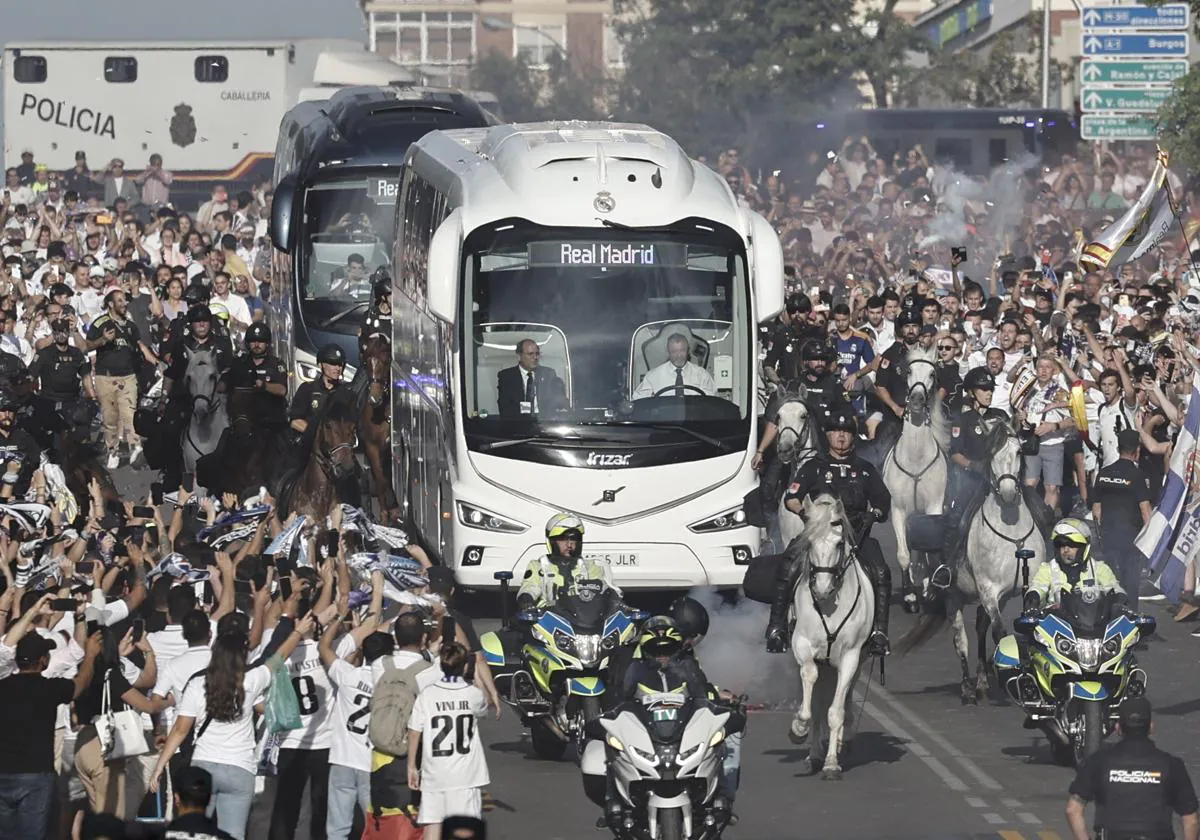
678, 372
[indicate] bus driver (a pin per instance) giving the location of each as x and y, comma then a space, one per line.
677, 371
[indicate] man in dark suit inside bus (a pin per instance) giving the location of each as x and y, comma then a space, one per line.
528, 388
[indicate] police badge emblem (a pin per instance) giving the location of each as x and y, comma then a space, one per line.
1090, 595
183, 126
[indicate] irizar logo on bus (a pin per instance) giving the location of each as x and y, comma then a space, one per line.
599, 459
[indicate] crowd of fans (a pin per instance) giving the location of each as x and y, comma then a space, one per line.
112, 605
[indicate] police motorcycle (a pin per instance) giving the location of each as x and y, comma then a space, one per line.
1081, 668
662, 755
550, 664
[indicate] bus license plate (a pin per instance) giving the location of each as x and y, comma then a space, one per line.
616, 559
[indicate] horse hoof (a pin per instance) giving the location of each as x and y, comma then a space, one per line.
807, 768
798, 734
831, 774
911, 605
970, 699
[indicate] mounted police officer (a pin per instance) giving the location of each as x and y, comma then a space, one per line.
311, 396
378, 319
866, 500
824, 390
200, 338
1139, 785
257, 369
966, 486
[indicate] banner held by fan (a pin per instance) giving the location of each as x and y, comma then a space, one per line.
1141, 228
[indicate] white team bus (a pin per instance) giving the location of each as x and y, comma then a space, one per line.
599, 242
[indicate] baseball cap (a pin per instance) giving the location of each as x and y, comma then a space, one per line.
95, 271
32, 647
1134, 713
1128, 440
196, 781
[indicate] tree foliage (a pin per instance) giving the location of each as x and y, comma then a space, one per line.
1179, 117
528, 94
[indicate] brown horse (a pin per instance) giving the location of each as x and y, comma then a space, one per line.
81, 462
375, 420
330, 476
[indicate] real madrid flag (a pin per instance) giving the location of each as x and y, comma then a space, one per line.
1141, 228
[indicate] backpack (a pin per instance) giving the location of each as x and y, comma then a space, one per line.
392, 705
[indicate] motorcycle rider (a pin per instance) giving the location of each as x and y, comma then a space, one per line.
1074, 568
259, 370
562, 567
861, 489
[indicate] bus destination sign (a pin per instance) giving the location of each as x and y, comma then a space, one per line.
587, 254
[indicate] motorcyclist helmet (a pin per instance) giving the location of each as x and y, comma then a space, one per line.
258, 332
564, 525
979, 378
661, 638
331, 354
219, 310
198, 314
690, 616
1072, 531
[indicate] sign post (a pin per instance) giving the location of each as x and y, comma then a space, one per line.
1133, 54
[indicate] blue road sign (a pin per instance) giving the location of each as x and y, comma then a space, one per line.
1170, 16
1174, 44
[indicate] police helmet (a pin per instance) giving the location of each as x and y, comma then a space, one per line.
841, 420
196, 294
331, 354
381, 284
979, 378
196, 314
908, 316
690, 616
661, 637
564, 525
258, 332
7, 401
1072, 531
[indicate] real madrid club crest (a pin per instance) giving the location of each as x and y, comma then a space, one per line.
604, 202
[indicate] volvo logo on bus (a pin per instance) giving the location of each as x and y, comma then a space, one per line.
600, 459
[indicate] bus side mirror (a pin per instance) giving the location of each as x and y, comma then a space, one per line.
445, 268
281, 214
766, 267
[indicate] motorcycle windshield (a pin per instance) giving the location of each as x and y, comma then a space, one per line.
1088, 618
586, 610
665, 721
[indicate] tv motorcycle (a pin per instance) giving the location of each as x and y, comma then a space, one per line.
1081, 667
661, 759
550, 665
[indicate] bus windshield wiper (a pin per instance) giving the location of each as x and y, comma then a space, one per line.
675, 427
573, 438
350, 310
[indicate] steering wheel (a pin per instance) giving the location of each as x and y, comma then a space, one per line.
695, 388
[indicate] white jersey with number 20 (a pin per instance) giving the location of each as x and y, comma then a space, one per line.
446, 713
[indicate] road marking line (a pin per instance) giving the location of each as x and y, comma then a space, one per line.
1012, 835
952, 781
967, 764
976, 802
996, 819
1049, 835
1028, 818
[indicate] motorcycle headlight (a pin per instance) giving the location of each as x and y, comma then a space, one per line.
725, 521
1088, 653
485, 520
564, 641
684, 755
717, 738
587, 648
615, 743
649, 756
1065, 646
1112, 647
611, 641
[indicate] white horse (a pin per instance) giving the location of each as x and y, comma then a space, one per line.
796, 445
208, 419
833, 605
915, 471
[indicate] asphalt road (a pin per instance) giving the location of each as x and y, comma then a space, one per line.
920, 765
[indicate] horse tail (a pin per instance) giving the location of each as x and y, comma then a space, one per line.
927, 626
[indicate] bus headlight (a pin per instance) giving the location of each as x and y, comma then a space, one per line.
726, 521
485, 520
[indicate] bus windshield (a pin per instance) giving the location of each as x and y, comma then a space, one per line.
610, 335
347, 235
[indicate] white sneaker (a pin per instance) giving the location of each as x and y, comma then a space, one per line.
114, 460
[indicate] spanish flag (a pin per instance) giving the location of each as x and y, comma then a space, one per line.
1141, 228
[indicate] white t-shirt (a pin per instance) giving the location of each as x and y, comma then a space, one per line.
352, 687
174, 674
315, 693
225, 742
1110, 419
445, 713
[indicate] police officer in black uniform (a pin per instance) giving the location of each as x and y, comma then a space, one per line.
20, 455
866, 500
783, 360
201, 338
1139, 786
257, 369
312, 395
891, 381
1121, 502
968, 450
196, 295
824, 389
64, 377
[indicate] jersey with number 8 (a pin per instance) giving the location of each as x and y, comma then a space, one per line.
315, 694
451, 753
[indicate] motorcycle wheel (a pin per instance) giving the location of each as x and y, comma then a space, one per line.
670, 824
590, 708
1087, 742
546, 744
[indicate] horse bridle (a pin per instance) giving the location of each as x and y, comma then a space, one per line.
381, 381
924, 388
838, 571
994, 486
194, 398
803, 442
